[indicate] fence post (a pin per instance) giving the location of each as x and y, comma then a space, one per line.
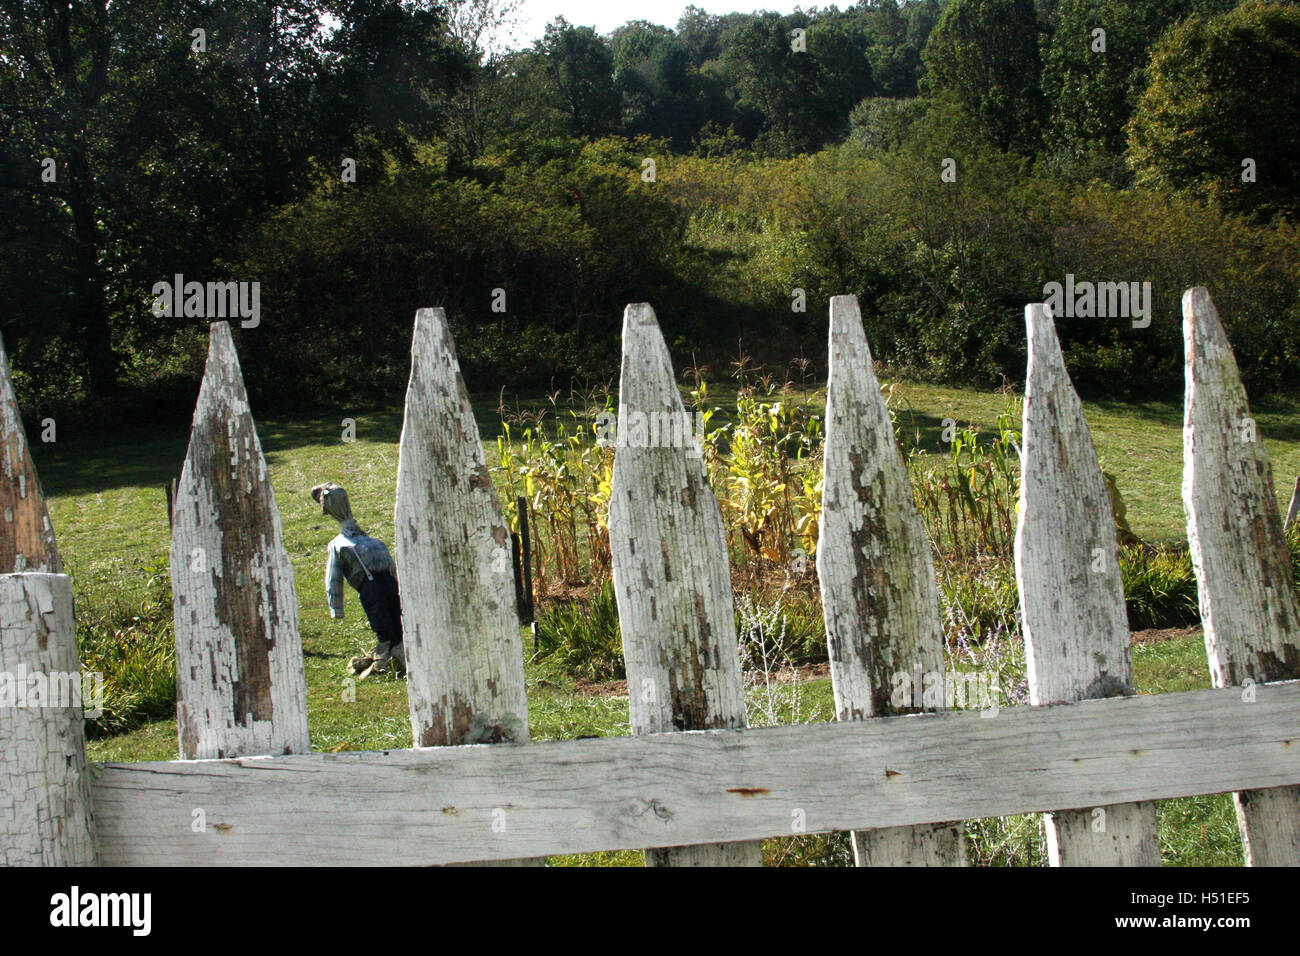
1071, 593
45, 813
1239, 553
879, 596
671, 574
460, 623
240, 687
26, 536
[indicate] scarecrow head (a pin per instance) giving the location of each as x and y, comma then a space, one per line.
333, 501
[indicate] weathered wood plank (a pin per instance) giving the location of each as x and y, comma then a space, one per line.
45, 815
26, 534
671, 574
1071, 594
460, 624
879, 595
1239, 553
438, 805
240, 688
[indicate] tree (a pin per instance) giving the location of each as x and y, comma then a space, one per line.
803, 96
658, 84
56, 60
984, 55
1092, 80
168, 143
391, 69
476, 112
894, 58
1221, 111
922, 17
579, 71
699, 32
707, 35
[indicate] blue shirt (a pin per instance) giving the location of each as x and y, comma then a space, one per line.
354, 556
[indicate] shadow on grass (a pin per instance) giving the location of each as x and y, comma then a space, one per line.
151, 456
923, 431
1278, 418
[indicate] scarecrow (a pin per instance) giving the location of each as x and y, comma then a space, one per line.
366, 564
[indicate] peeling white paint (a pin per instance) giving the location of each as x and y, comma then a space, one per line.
206, 647
45, 809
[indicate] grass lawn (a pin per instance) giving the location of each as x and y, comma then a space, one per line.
108, 507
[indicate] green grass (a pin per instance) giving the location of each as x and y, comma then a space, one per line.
1140, 443
1194, 831
108, 508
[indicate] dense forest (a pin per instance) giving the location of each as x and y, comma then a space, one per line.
945, 160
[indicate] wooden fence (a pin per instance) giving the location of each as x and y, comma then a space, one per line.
692, 785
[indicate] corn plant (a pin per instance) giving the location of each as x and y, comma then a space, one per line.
968, 497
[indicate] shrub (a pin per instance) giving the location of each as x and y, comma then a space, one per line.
344, 270
881, 123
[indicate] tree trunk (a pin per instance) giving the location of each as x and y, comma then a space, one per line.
92, 324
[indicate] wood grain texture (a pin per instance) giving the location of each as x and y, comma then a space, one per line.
45, 815
671, 575
1239, 553
1071, 593
460, 625
240, 688
879, 596
438, 805
26, 534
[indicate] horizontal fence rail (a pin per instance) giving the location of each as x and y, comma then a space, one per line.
503, 801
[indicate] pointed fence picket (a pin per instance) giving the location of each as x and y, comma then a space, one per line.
692, 786
45, 814
240, 687
671, 575
879, 595
1071, 595
460, 622
26, 536
1239, 553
